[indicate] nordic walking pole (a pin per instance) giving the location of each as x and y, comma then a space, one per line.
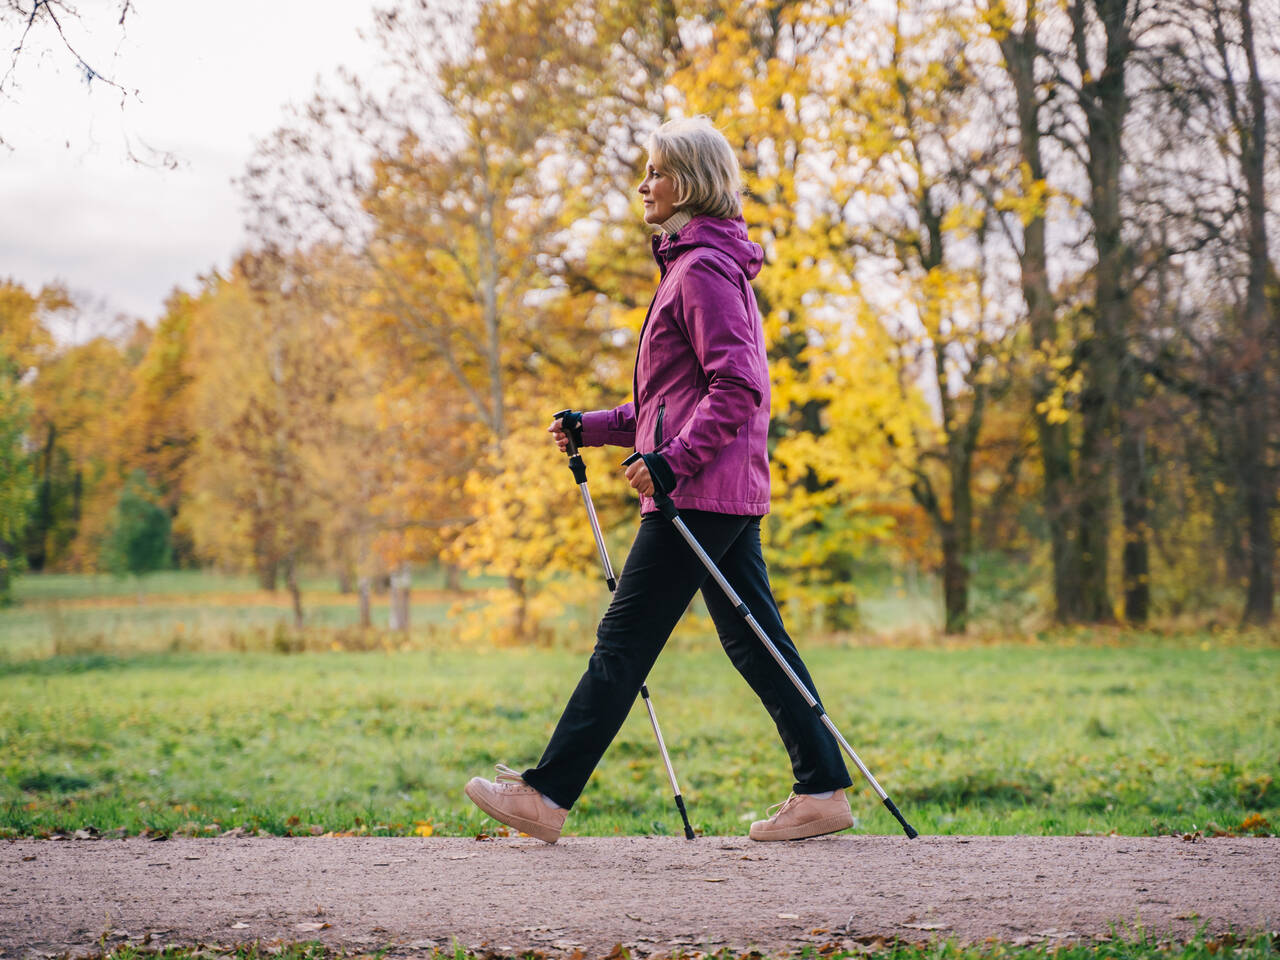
668, 510
580, 475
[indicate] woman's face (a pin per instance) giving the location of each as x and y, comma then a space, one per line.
659, 194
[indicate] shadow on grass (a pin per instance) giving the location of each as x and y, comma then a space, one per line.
983, 786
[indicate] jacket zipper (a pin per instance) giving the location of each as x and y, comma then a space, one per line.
657, 430
635, 370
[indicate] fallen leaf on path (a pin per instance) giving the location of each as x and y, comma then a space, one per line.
788, 916
311, 926
926, 926
713, 879
239, 925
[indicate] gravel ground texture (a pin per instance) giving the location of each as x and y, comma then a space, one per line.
653, 895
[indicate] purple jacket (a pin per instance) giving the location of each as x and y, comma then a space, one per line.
701, 382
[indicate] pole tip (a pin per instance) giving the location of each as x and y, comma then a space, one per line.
907, 828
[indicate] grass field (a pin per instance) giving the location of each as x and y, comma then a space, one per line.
1107, 732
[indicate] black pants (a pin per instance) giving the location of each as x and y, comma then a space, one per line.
659, 580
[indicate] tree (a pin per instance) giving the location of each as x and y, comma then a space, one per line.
1210, 80
931, 209
79, 396
1027, 220
15, 484
57, 31
265, 370
138, 539
777, 78
156, 434
24, 343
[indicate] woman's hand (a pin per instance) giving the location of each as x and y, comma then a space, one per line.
557, 432
638, 477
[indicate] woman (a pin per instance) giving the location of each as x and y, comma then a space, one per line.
700, 419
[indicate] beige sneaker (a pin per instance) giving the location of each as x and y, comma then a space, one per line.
511, 801
804, 816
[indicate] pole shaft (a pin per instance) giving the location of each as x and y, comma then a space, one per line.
777, 656
611, 580
662, 744
595, 530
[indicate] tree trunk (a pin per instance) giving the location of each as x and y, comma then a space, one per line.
291, 580
40, 522
1093, 516
521, 626
1260, 328
1105, 103
1259, 499
366, 616
401, 580
452, 577
7, 554
955, 581
1134, 496
1021, 52
267, 571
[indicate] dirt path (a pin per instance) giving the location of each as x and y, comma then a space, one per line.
652, 894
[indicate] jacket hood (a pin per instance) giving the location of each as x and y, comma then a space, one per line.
729, 236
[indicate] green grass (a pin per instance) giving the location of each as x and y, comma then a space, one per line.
1139, 737
62, 614
1132, 946
79, 614
79, 586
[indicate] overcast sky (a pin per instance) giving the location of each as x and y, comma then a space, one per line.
212, 77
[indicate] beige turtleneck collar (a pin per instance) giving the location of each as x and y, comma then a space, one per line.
676, 222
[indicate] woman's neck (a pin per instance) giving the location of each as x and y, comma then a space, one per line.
676, 222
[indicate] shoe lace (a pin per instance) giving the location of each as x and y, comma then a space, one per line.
781, 807
506, 774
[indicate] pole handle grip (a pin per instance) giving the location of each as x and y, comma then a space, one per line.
660, 497
574, 432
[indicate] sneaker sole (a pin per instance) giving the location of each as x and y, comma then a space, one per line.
534, 829
804, 831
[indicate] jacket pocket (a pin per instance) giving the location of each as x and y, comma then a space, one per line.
657, 426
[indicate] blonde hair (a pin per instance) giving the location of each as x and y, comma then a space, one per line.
702, 165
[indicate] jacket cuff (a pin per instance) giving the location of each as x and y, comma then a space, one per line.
664, 481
